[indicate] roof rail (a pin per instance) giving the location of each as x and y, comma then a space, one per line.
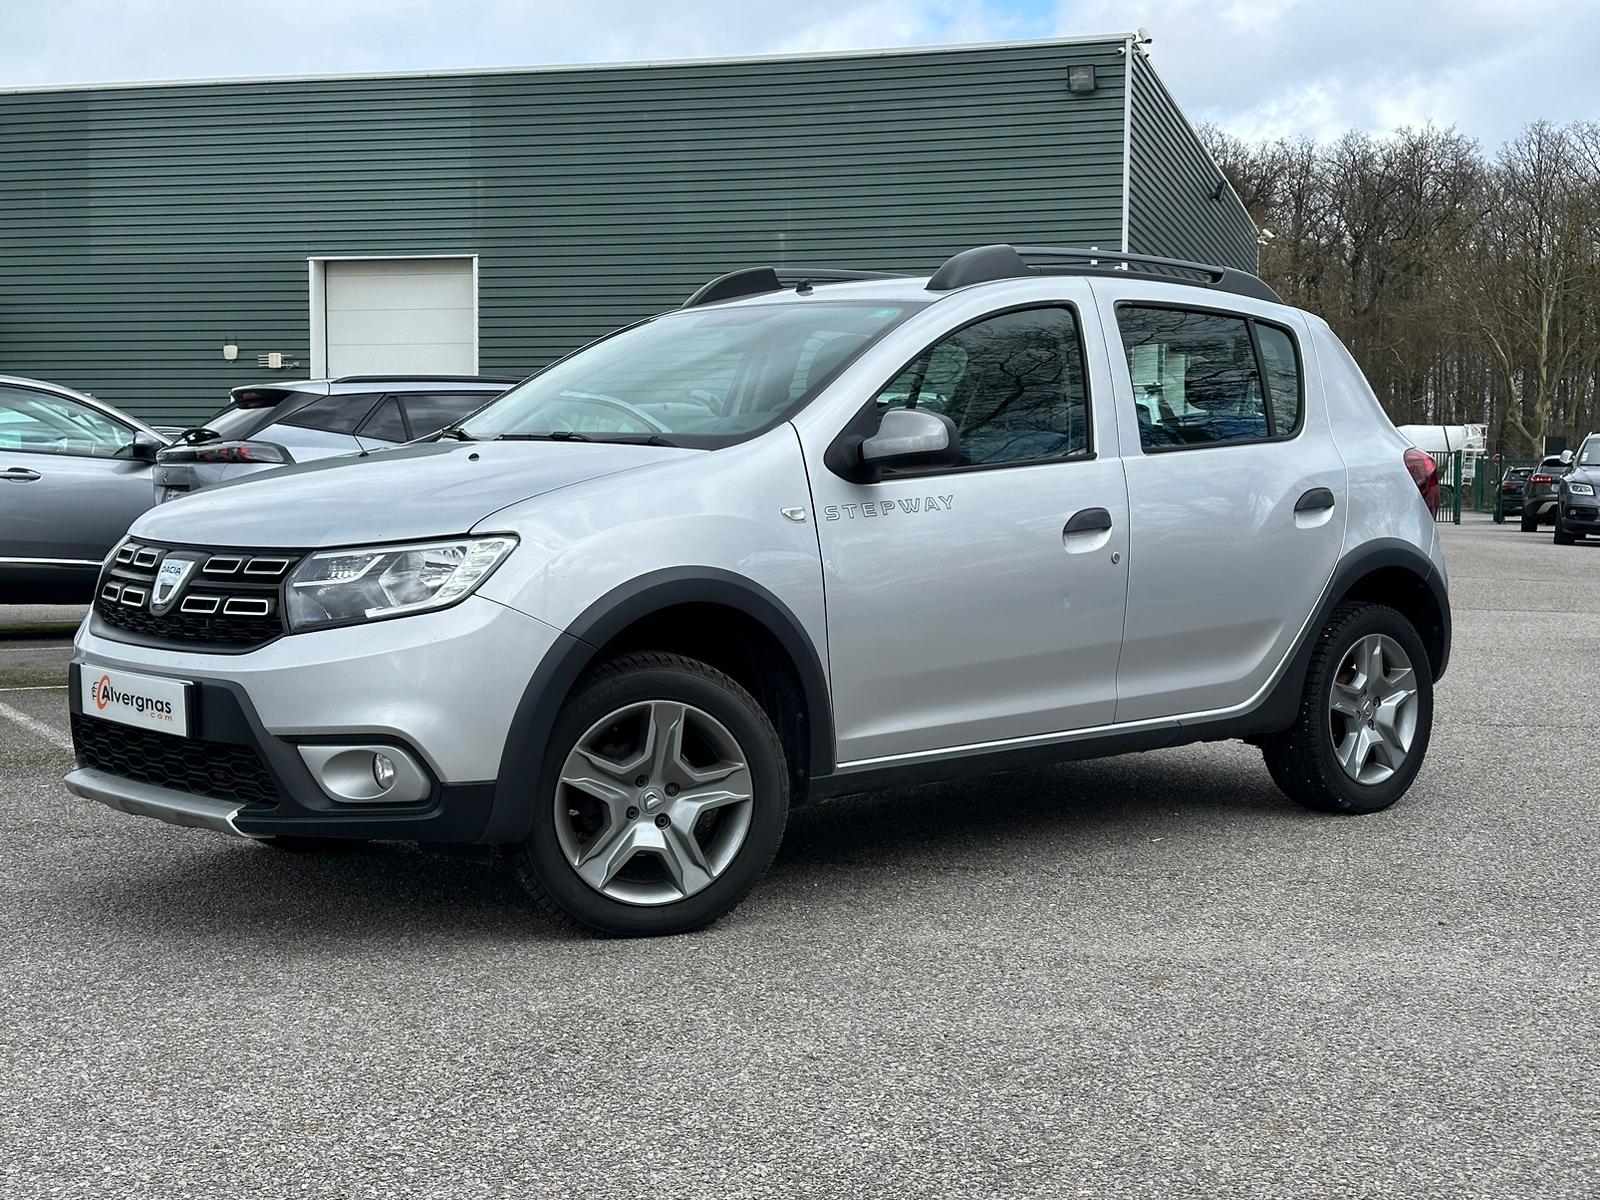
983, 264
424, 377
755, 281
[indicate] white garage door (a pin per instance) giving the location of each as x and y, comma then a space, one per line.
400, 315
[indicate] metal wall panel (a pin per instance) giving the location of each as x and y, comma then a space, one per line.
141, 227
1171, 184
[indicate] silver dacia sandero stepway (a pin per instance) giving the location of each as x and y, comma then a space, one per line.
814, 532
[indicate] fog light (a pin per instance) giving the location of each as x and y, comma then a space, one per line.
383, 771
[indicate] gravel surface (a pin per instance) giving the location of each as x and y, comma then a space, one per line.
1146, 976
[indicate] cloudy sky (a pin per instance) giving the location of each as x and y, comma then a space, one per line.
1255, 67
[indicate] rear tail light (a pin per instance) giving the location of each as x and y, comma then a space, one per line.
227, 452
1425, 473
1543, 479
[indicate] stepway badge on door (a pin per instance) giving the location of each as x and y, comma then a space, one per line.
144, 701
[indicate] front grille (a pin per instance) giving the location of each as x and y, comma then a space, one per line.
232, 599
223, 770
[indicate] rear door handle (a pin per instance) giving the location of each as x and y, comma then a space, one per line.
20, 475
1088, 520
1315, 500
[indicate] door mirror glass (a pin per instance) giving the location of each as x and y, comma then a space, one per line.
912, 437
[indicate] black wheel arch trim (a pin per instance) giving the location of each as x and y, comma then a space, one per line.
576, 647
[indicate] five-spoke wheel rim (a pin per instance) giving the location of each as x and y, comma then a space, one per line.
1372, 709
654, 802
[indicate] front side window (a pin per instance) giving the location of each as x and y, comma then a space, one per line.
1014, 385
1199, 380
429, 412
702, 377
1589, 452
44, 423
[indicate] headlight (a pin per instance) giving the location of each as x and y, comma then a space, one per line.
1581, 489
340, 587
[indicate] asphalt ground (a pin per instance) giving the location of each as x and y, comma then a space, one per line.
1145, 976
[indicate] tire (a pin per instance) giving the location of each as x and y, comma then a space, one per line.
1562, 537
724, 800
1529, 523
1304, 760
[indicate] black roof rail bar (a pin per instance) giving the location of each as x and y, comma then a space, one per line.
424, 377
755, 281
983, 264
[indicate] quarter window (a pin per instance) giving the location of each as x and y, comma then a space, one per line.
1203, 378
1014, 385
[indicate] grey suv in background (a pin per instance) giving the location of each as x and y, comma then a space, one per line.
268, 425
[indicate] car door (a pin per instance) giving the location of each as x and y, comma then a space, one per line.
1238, 494
981, 603
68, 486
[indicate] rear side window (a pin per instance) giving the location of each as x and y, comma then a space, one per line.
1205, 378
1013, 384
385, 422
331, 414
430, 412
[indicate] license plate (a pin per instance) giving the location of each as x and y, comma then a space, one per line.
143, 701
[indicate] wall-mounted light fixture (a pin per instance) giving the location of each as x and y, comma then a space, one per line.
230, 349
1080, 78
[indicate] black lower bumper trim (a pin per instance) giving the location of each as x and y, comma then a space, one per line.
298, 807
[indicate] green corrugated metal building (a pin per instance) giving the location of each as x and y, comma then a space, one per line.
492, 220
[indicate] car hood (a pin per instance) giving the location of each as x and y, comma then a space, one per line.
429, 490
1589, 475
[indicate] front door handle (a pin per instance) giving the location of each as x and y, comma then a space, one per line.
1088, 520
1315, 500
20, 475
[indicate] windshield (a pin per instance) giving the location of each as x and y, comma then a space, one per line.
1589, 452
702, 378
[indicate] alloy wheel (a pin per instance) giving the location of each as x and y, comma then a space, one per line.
655, 801
1372, 709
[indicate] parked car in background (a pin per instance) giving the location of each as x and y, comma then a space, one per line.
269, 425
1540, 493
1512, 484
74, 473
1578, 495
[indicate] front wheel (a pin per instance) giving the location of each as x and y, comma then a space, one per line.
1366, 714
662, 799
1563, 538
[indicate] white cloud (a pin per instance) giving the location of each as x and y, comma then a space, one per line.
1256, 67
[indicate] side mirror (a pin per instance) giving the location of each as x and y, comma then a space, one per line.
1566, 458
912, 437
145, 448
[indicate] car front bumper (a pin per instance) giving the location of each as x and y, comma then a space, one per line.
1581, 514
441, 689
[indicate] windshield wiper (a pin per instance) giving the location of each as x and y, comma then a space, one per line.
555, 435
456, 432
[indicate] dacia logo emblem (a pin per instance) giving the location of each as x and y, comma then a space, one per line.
170, 578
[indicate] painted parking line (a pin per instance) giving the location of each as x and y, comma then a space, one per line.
50, 734
38, 687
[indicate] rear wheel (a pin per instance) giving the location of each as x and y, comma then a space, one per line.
1365, 718
1529, 523
662, 800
